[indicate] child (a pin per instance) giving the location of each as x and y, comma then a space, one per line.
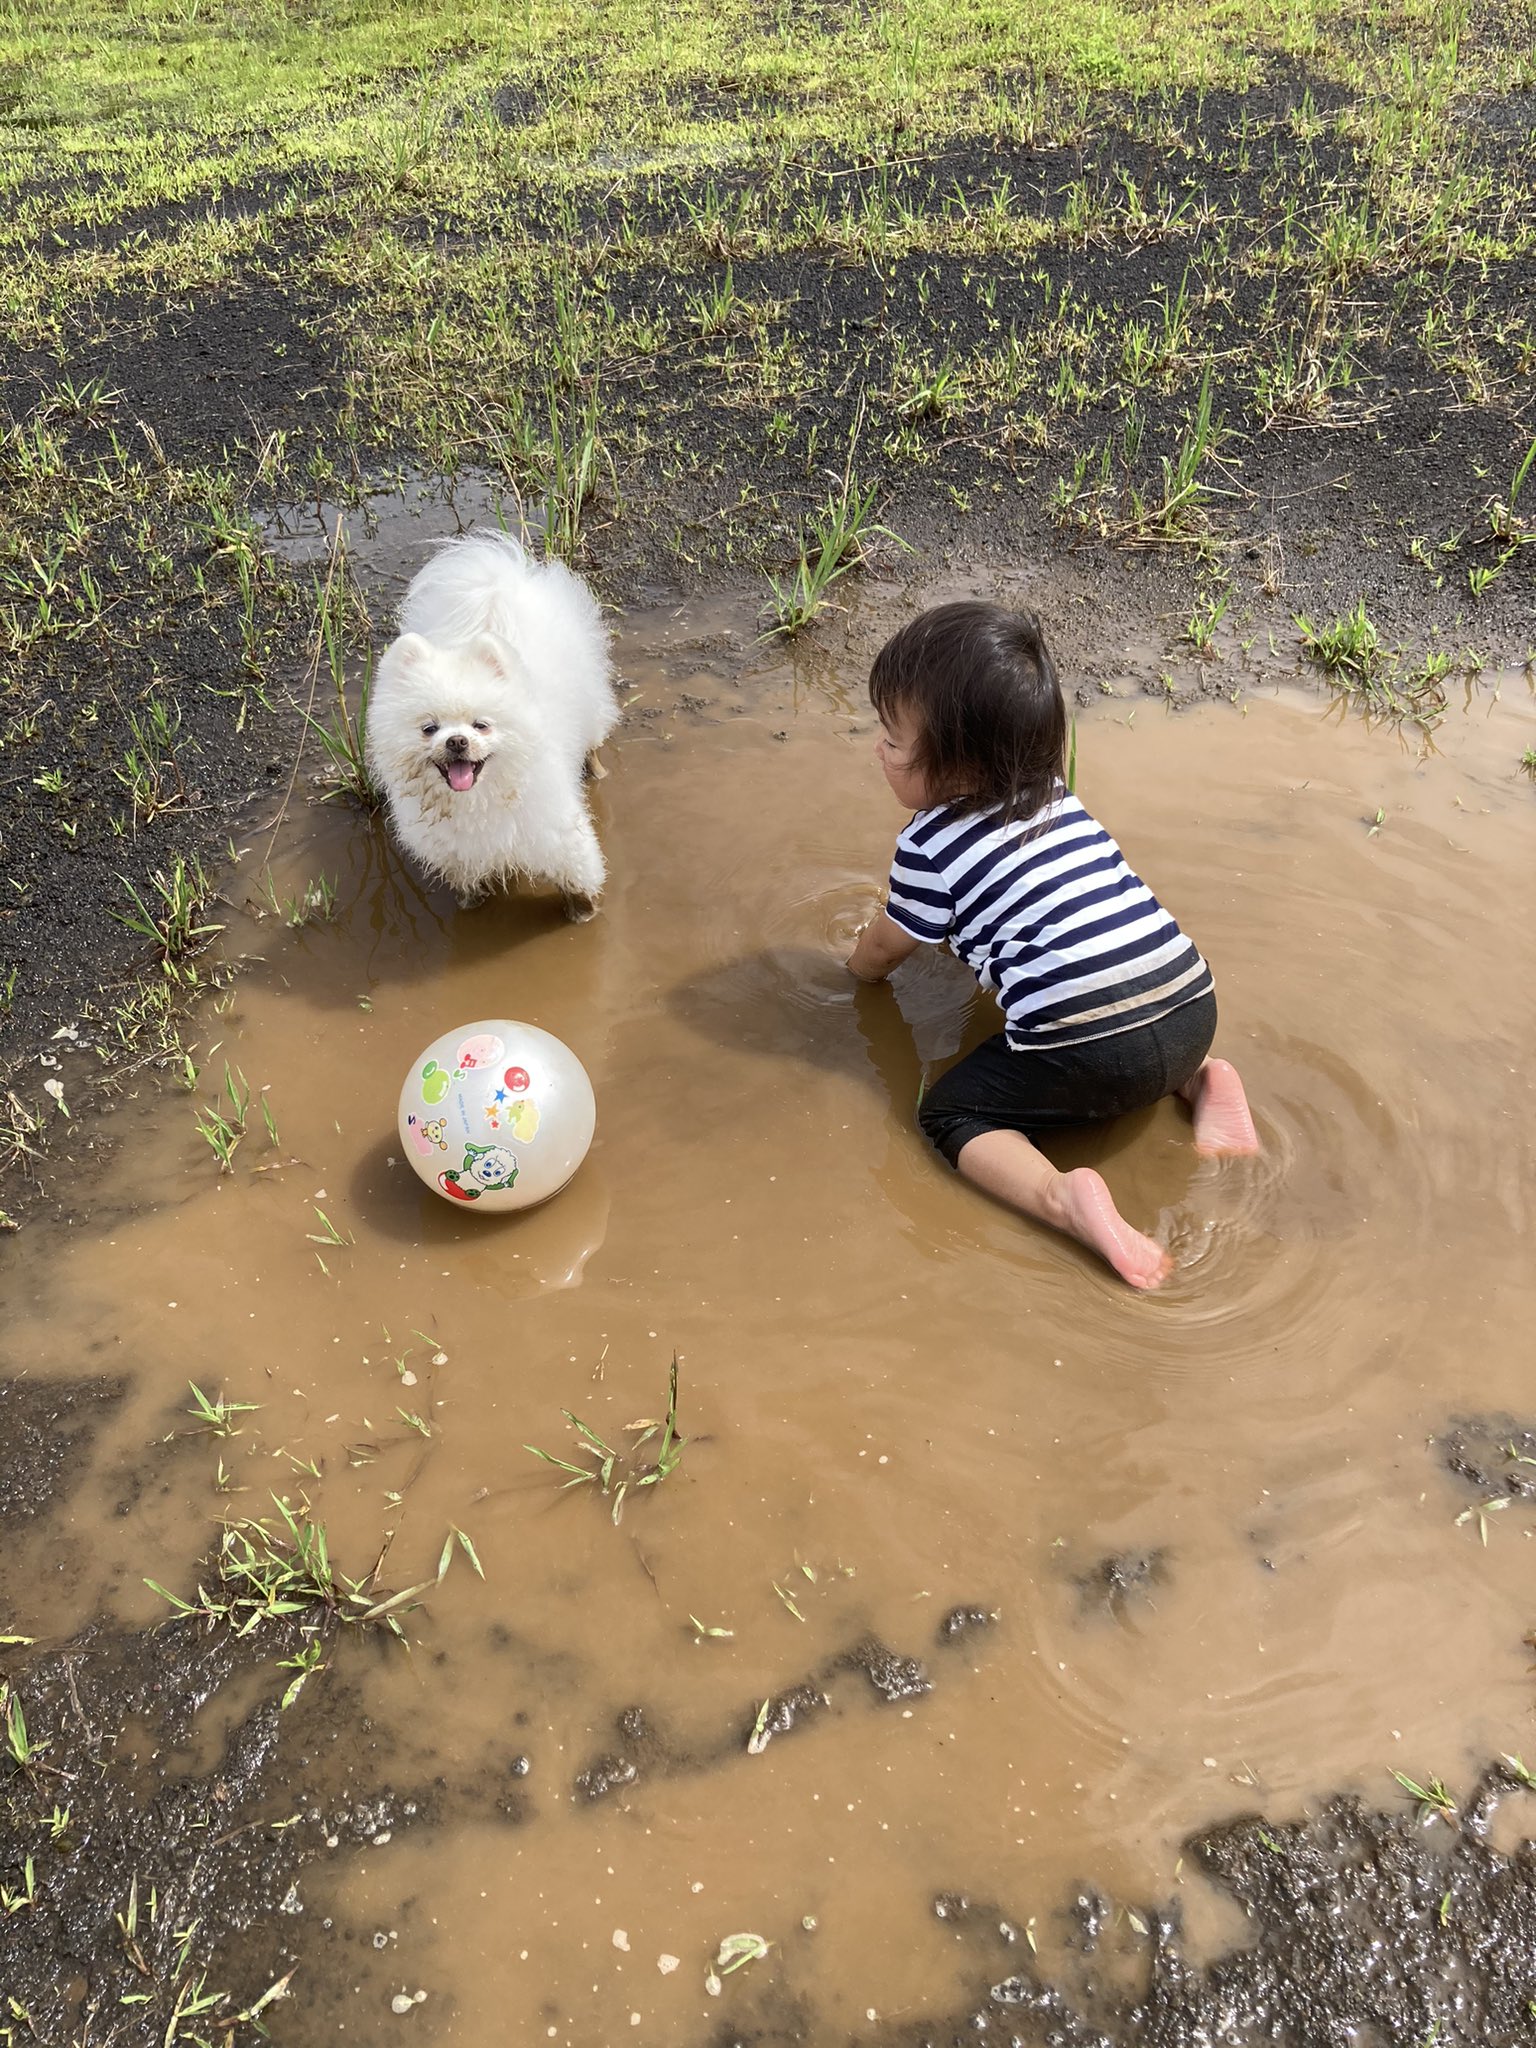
1108, 1006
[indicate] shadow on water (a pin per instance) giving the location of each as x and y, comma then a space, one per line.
799, 1003
544, 1247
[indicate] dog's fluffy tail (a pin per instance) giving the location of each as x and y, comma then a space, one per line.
470, 586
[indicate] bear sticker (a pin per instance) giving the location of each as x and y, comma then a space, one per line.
426, 1136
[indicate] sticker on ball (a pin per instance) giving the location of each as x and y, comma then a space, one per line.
497, 1115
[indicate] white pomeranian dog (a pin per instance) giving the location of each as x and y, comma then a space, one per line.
485, 717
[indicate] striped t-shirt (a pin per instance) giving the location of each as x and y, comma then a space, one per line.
1049, 917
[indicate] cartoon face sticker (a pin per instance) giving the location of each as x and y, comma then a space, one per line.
517, 1081
426, 1136
483, 1050
521, 1118
434, 1083
487, 1169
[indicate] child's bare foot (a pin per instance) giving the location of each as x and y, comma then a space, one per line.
1223, 1121
1088, 1213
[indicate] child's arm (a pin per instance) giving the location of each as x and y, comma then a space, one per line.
881, 946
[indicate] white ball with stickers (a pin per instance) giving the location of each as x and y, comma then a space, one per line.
497, 1115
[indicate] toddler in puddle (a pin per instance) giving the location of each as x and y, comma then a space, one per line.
1108, 1005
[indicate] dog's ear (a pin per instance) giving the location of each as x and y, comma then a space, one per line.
498, 657
409, 652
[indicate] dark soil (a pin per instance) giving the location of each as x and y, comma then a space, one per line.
645, 1750
47, 1427
891, 1676
962, 1622
133, 1839
1369, 1928
1369, 1931
135, 737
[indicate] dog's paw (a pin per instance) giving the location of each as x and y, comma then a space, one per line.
471, 899
580, 909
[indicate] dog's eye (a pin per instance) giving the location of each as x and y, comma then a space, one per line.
428, 730
481, 726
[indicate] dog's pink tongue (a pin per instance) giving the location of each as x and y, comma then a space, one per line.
461, 775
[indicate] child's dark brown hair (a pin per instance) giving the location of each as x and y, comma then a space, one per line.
980, 685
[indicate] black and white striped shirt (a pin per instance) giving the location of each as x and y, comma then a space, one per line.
1048, 916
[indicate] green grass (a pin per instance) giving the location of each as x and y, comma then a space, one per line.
1433, 1800
1200, 627
266, 1572
341, 642
835, 539
314, 904
1105, 492
218, 1415
1505, 522
832, 542
223, 1123
23, 1747
617, 1472
368, 85
171, 915
1349, 650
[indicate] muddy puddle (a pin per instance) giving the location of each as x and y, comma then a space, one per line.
1035, 1576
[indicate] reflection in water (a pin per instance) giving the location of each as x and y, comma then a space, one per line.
390, 531
900, 1399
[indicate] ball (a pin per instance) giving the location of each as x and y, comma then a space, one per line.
497, 1115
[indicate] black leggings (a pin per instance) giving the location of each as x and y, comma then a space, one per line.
996, 1088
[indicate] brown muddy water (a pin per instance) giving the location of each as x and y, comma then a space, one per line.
1217, 1555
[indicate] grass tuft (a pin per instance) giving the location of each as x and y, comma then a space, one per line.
1349, 651
171, 918
618, 1472
266, 1572
833, 541
343, 731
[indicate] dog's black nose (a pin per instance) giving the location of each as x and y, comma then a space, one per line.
456, 745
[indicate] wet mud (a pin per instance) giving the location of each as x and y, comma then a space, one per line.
1366, 1927
1125, 1576
47, 1426
978, 1580
158, 1838
646, 1751
1493, 1453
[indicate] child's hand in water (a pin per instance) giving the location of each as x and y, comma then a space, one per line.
853, 962
880, 946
